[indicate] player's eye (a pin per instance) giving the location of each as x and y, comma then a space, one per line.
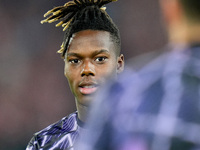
74, 61
100, 59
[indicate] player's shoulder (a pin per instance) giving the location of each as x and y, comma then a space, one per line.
140, 61
147, 66
55, 132
66, 124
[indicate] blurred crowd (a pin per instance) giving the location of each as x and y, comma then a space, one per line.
33, 90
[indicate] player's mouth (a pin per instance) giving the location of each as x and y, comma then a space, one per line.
88, 88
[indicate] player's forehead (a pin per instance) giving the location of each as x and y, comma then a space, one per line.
90, 34
90, 41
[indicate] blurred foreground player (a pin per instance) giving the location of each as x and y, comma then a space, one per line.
159, 107
91, 52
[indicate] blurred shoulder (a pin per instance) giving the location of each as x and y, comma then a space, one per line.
140, 61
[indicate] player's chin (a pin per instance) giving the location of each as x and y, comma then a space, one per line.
86, 100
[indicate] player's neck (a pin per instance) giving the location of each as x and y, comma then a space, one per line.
185, 34
82, 111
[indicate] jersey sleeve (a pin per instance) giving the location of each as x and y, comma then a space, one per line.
33, 144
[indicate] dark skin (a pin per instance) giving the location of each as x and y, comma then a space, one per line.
90, 59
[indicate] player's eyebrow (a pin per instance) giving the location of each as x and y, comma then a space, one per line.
100, 51
96, 52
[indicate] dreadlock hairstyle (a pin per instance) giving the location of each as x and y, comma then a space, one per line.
78, 15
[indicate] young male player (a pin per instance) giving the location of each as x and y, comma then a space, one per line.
91, 52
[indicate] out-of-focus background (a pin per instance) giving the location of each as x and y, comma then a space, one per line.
33, 90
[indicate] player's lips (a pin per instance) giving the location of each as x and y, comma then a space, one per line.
87, 88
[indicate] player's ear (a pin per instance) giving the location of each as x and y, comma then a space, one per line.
120, 63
